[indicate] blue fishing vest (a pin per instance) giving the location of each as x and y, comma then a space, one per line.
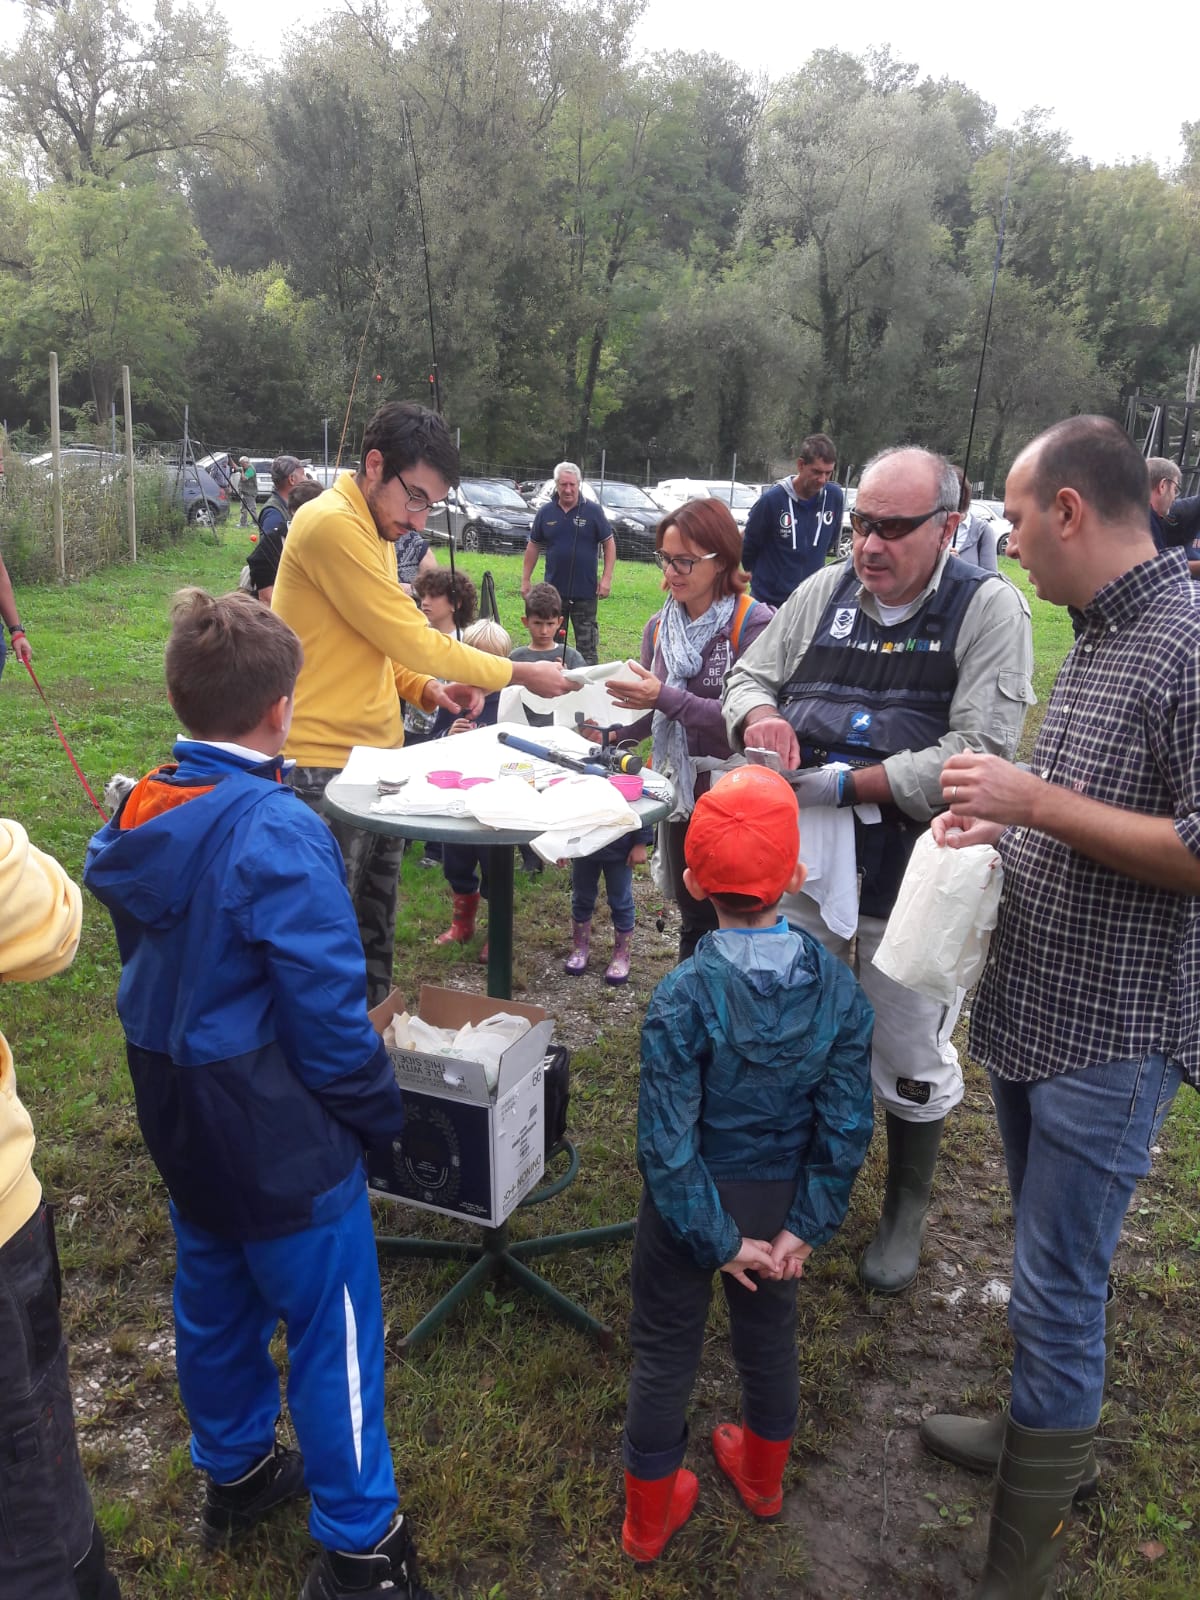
863, 691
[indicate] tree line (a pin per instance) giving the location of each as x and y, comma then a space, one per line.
665, 258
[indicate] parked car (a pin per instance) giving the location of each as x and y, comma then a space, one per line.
78, 458
845, 541
632, 515
482, 514
673, 492
993, 511
205, 501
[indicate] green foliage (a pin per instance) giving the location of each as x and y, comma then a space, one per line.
657, 257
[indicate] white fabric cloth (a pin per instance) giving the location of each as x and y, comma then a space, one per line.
914, 1066
940, 927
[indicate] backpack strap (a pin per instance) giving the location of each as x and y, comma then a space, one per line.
740, 612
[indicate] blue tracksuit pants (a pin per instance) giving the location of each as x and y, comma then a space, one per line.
323, 1285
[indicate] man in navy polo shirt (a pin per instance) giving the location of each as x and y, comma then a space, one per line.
573, 533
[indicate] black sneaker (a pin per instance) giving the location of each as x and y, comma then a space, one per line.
232, 1509
388, 1572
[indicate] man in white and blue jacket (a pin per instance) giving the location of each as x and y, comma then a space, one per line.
793, 524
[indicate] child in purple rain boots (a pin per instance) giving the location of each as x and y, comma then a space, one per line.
616, 861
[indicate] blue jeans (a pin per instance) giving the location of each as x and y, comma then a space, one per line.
618, 880
1075, 1146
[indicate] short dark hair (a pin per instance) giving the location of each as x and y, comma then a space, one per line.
817, 447
543, 601
740, 905
457, 588
229, 658
1098, 459
708, 523
405, 433
302, 493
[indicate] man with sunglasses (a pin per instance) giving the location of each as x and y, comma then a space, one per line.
865, 682
367, 646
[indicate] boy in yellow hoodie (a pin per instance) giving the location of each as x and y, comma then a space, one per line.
50, 1545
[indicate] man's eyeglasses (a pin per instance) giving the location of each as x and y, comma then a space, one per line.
417, 500
681, 564
892, 527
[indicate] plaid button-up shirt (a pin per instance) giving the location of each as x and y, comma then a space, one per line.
1088, 965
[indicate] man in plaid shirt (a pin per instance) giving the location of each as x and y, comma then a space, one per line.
1087, 1013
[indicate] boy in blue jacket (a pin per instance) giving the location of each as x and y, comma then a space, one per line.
259, 1080
754, 1116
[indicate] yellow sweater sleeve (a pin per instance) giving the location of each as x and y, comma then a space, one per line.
41, 909
41, 913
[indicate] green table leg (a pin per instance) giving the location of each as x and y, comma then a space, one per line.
500, 920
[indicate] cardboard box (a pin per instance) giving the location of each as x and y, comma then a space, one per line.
466, 1151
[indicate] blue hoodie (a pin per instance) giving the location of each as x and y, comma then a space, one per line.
787, 539
258, 1076
756, 1065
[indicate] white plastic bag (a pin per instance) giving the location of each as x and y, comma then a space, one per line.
937, 936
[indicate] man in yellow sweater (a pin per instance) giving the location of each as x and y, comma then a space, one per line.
50, 1546
367, 646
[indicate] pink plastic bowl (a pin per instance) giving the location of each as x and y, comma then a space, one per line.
444, 780
627, 784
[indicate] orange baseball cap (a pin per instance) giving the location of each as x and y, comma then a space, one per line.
744, 836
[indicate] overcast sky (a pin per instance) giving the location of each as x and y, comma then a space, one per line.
1119, 94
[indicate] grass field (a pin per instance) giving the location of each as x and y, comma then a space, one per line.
506, 1427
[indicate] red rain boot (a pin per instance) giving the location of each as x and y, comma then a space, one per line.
462, 920
753, 1465
654, 1509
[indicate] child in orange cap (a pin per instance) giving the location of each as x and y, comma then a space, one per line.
754, 1115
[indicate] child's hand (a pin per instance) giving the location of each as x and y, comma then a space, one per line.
589, 731
637, 856
460, 725
753, 1255
788, 1255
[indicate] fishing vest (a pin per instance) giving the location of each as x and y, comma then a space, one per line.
863, 691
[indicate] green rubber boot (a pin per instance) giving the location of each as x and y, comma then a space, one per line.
1039, 1472
974, 1443
889, 1263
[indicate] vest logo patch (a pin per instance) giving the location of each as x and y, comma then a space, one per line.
843, 622
860, 727
913, 1090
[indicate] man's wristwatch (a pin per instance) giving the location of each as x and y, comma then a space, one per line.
14, 628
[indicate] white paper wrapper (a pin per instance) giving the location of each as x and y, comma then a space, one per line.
937, 936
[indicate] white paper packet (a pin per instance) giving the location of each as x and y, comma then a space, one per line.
937, 936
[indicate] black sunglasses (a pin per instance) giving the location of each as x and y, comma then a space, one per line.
892, 527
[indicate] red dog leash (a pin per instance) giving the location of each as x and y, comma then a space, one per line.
63, 741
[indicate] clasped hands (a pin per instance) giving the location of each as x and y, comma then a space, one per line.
780, 1258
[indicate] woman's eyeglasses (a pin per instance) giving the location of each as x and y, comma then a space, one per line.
889, 528
681, 564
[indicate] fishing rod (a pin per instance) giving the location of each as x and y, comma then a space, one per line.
1012, 150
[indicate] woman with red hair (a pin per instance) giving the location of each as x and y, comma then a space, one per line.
706, 621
